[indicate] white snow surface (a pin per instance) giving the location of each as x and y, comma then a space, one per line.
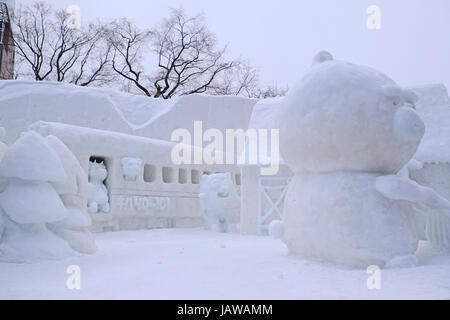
31, 243
31, 158
32, 202
197, 264
434, 108
25, 102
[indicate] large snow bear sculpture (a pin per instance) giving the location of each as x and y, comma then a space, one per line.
346, 131
100, 199
219, 202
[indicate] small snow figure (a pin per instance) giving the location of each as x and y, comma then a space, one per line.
346, 132
219, 202
100, 200
131, 168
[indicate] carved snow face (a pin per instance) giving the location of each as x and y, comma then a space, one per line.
131, 168
344, 117
97, 172
218, 186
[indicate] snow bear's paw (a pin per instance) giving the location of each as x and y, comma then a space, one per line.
276, 229
407, 261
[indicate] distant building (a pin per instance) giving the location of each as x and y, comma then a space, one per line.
7, 48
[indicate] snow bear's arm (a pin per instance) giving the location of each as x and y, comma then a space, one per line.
399, 188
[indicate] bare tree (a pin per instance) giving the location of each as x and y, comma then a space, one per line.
241, 80
31, 28
272, 91
55, 50
128, 44
188, 59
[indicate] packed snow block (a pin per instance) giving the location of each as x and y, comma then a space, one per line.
346, 131
219, 202
31, 158
32, 202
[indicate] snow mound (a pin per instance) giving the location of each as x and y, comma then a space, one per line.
30, 158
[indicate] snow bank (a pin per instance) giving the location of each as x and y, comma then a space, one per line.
25, 102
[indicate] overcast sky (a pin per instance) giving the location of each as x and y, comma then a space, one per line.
281, 36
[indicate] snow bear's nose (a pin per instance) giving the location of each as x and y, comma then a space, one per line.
408, 127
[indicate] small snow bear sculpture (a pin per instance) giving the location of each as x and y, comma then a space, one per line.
131, 168
100, 200
219, 202
346, 131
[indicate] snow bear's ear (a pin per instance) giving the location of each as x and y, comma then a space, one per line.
321, 57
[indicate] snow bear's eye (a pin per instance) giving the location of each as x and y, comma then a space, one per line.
397, 101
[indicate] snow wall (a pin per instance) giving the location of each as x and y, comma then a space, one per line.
25, 102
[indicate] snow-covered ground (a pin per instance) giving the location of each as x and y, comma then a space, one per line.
196, 264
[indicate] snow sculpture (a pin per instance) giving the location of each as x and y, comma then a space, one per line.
74, 192
3, 148
29, 202
99, 201
131, 168
432, 226
219, 202
345, 132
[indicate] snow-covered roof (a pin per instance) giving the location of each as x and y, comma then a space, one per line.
434, 109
